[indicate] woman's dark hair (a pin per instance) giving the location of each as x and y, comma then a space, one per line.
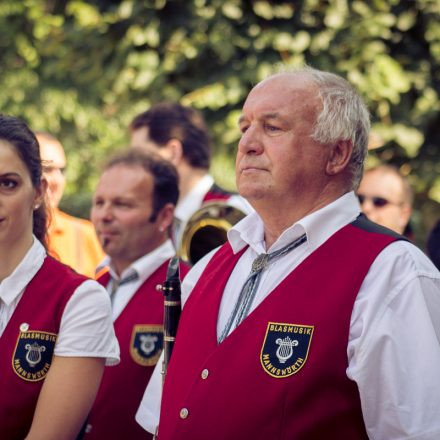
17, 133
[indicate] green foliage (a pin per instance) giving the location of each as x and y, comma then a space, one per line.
82, 70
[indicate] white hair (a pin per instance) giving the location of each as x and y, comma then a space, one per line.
344, 117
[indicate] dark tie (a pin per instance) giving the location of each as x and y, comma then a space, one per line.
116, 283
176, 232
250, 286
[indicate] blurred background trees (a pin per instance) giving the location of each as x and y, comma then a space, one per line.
82, 69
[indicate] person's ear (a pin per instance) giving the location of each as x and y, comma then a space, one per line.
175, 151
339, 157
405, 214
165, 217
40, 193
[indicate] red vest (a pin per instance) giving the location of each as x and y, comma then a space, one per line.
139, 329
282, 373
216, 193
25, 356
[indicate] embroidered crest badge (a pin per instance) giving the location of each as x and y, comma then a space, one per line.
33, 354
146, 344
285, 348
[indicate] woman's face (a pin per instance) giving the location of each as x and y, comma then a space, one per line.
18, 199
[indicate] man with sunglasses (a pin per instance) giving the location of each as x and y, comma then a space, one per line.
72, 240
386, 197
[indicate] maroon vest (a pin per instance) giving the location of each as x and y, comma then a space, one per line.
139, 329
216, 193
282, 373
26, 356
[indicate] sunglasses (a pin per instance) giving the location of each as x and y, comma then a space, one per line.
51, 169
378, 202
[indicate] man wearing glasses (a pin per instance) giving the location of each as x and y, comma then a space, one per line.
386, 197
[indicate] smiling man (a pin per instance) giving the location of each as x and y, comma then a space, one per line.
302, 325
132, 212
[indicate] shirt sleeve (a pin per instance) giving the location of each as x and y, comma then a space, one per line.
394, 348
148, 413
86, 326
149, 410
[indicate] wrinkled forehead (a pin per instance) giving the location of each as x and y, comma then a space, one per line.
286, 92
382, 183
52, 152
126, 177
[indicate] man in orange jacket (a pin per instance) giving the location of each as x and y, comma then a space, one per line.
72, 240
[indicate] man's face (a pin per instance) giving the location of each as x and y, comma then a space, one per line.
141, 140
277, 159
382, 200
54, 163
121, 213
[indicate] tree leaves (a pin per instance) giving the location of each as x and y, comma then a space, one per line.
83, 69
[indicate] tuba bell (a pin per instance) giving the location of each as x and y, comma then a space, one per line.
207, 229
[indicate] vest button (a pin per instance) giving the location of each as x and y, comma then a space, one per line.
184, 413
205, 373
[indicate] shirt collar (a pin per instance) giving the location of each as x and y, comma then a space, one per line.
145, 265
318, 226
193, 200
14, 284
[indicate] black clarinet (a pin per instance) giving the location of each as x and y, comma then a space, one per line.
172, 310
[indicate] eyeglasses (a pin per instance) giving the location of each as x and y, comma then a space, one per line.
378, 202
49, 169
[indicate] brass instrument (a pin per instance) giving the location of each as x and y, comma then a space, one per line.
207, 229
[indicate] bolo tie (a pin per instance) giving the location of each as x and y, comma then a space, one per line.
250, 286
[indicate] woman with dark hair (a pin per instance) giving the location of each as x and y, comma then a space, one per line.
56, 332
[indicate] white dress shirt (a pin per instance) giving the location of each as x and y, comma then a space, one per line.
144, 267
193, 201
394, 341
86, 329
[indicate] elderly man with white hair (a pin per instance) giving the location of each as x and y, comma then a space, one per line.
311, 322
